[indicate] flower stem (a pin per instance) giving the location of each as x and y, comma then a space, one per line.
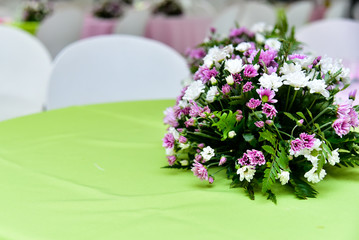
291, 104
318, 116
311, 105
286, 103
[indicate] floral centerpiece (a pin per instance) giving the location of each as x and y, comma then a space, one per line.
35, 11
168, 8
108, 9
263, 111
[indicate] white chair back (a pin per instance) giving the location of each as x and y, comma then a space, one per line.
298, 13
338, 9
255, 12
60, 29
226, 20
133, 22
115, 68
25, 65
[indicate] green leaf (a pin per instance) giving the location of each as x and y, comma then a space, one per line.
283, 160
269, 149
226, 123
300, 114
249, 137
302, 189
271, 196
310, 114
270, 174
256, 58
269, 136
291, 116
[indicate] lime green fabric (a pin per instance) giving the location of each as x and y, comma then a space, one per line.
30, 27
94, 172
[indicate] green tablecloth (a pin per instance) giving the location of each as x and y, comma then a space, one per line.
95, 172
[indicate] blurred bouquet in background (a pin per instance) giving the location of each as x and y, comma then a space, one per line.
263, 111
109, 9
35, 10
168, 8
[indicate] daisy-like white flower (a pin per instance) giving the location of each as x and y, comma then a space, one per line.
261, 27
211, 94
313, 176
270, 81
283, 177
305, 61
290, 68
216, 54
243, 46
194, 91
260, 38
318, 86
297, 80
234, 65
246, 172
273, 43
334, 158
207, 153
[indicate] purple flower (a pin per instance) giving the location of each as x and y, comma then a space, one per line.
198, 157
250, 71
222, 161
269, 110
182, 139
190, 122
226, 89
171, 160
213, 30
200, 171
300, 122
269, 122
239, 115
308, 140
255, 157
344, 109
267, 95
205, 74
298, 56
168, 141
237, 78
197, 53
200, 145
341, 126
178, 111
210, 180
267, 56
247, 87
253, 103
271, 70
237, 32
296, 145
244, 161
183, 91
352, 94
316, 61
170, 117
353, 118
259, 124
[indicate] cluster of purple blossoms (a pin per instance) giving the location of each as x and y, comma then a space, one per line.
168, 140
197, 53
347, 117
252, 158
205, 74
304, 141
266, 96
200, 171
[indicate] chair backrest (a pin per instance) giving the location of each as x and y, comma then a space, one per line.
60, 29
133, 22
113, 68
25, 65
298, 13
337, 38
338, 9
226, 19
255, 12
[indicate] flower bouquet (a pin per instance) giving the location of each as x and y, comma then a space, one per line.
263, 111
108, 9
168, 8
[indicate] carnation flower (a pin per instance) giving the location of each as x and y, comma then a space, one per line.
269, 110
307, 140
246, 172
259, 124
341, 126
296, 145
230, 80
168, 141
270, 81
247, 87
290, 68
200, 171
297, 80
250, 71
207, 153
244, 46
253, 103
170, 117
171, 160
222, 161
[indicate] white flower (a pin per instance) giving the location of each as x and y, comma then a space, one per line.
207, 153
234, 65
194, 91
273, 43
170, 151
313, 176
305, 62
297, 80
334, 158
187, 82
229, 79
246, 172
283, 177
211, 94
260, 38
313, 159
261, 27
318, 86
183, 104
184, 145
174, 132
213, 80
243, 46
184, 163
256, 66
216, 54
231, 134
270, 81
317, 145
290, 68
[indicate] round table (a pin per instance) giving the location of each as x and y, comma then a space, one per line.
95, 172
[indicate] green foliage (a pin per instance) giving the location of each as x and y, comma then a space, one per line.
270, 175
302, 189
269, 136
226, 123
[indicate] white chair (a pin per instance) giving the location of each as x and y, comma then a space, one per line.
226, 19
319, 37
61, 29
133, 22
198, 8
298, 13
25, 66
115, 68
255, 12
338, 9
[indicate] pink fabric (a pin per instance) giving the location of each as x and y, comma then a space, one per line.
317, 13
179, 33
94, 26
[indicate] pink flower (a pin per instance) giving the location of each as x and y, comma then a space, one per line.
296, 145
247, 87
170, 117
222, 161
253, 103
237, 78
250, 71
244, 161
198, 157
201, 145
352, 94
189, 122
259, 124
300, 122
226, 89
353, 118
168, 141
200, 171
308, 140
210, 180
341, 126
205, 74
239, 115
182, 139
269, 110
256, 157
344, 109
171, 160
269, 122
267, 95
298, 56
